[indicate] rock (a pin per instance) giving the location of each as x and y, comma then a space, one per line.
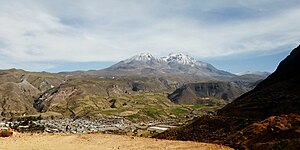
113, 103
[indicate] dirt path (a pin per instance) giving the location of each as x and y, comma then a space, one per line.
96, 142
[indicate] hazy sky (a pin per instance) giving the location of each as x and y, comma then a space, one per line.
62, 35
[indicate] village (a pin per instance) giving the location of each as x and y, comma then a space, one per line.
117, 125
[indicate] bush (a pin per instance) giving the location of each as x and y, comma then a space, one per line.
6, 133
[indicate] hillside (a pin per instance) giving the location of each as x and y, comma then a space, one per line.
264, 118
18, 88
65, 96
215, 92
207, 93
277, 94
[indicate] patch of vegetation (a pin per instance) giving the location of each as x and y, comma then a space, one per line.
112, 111
152, 112
197, 106
178, 111
133, 117
152, 134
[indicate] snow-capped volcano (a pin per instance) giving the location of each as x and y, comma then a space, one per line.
179, 63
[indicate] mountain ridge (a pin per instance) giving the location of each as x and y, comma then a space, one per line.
282, 84
266, 117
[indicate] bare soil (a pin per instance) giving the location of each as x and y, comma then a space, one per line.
96, 141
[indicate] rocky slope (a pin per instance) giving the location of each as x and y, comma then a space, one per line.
213, 92
264, 118
205, 93
18, 88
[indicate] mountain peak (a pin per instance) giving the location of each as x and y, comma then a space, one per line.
143, 57
180, 58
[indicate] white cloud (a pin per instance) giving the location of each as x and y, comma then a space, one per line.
95, 30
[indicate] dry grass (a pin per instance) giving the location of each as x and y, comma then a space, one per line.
96, 141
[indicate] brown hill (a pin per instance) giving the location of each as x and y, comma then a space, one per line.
278, 94
16, 98
19, 88
264, 118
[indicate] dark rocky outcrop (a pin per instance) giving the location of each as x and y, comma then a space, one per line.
113, 103
39, 103
137, 87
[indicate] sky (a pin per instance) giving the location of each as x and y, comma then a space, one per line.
66, 35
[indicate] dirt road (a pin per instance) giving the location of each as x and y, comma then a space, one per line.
95, 142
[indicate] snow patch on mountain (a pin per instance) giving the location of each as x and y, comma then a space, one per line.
180, 58
174, 58
143, 57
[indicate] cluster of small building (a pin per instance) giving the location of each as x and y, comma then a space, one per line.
82, 126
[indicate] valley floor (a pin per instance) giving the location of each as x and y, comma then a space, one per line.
96, 141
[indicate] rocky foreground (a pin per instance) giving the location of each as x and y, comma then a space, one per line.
96, 141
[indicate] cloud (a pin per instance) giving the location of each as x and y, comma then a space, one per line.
82, 31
